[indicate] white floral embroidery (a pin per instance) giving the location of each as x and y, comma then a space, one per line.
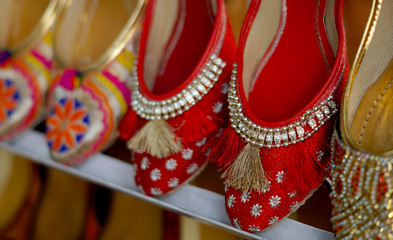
145, 163
320, 155
280, 176
226, 188
173, 182
274, 201
192, 168
217, 107
294, 206
170, 164
187, 154
237, 224
245, 197
254, 228
201, 142
155, 191
267, 188
292, 194
155, 174
273, 220
256, 210
141, 189
224, 88
231, 201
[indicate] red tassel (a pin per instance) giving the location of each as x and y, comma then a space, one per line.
225, 149
128, 125
196, 125
303, 169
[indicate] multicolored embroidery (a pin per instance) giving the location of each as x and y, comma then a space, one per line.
9, 99
67, 124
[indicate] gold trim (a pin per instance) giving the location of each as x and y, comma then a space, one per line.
365, 43
117, 45
43, 25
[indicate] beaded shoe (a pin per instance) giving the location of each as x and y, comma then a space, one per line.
25, 63
179, 91
94, 56
363, 145
283, 98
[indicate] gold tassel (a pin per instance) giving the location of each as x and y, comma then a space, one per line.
156, 138
246, 172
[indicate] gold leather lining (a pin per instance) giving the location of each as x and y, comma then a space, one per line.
372, 126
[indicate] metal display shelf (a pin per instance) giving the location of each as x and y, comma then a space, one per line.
201, 204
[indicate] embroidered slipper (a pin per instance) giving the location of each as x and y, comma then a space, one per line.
178, 92
94, 58
362, 175
283, 96
25, 62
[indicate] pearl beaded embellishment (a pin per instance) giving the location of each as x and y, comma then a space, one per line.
259, 136
181, 102
361, 194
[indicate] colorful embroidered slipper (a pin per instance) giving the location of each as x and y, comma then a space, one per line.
178, 92
25, 62
283, 96
362, 177
94, 57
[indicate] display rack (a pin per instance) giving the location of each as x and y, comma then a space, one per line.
201, 204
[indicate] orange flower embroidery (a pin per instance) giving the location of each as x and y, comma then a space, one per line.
67, 124
9, 99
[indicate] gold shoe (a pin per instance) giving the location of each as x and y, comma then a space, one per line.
362, 191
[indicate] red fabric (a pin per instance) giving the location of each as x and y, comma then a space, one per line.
305, 68
171, 226
128, 125
293, 172
157, 176
189, 45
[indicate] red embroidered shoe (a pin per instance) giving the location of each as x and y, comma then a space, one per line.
283, 98
178, 92
362, 176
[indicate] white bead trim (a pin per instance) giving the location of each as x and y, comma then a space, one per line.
181, 102
276, 137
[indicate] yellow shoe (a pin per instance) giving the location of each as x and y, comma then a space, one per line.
20, 188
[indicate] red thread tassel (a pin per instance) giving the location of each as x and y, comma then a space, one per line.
302, 168
128, 125
196, 125
225, 149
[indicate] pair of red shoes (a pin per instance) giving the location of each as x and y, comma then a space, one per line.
283, 96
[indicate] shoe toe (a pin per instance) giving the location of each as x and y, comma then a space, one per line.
74, 130
159, 176
253, 212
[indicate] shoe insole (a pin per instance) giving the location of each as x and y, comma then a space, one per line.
15, 187
186, 44
63, 208
131, 218
18, 19
295, 67
88, 28
372, 125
